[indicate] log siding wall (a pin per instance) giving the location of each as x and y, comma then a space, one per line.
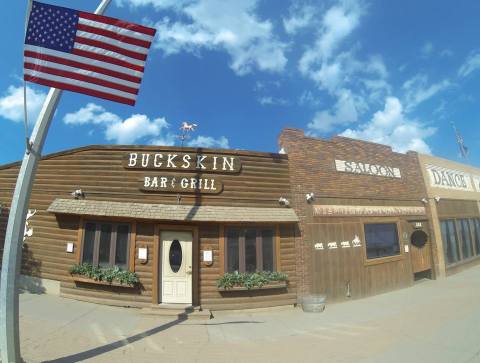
99, 172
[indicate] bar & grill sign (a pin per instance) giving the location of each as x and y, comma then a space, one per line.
200, 166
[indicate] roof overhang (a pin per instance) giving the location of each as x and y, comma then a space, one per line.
166, 212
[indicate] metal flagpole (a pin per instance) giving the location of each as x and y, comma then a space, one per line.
12, 254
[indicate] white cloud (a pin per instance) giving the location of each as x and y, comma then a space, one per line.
158, 4
427, 49
11, 104
300, 17
91, 113
129, 131
269, 100
307, 98
391, 127
221, 25
209, 142
135, 128
417, 90
337, 24
471, 64
352, 81
345, 111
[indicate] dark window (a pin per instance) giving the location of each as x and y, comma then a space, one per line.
175, 256
267, 250
249, 250
233, 256
467, 248
121, 248
476, 234
88, 243
106, 244
419, 238
381, 240
450, 242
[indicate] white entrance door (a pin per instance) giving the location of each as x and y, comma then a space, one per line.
176, 282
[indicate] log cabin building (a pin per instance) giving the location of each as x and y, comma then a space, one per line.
178, 217
453, 191
361, 212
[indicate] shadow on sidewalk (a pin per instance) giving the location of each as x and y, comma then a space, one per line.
88, 354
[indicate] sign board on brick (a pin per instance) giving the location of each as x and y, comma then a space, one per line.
357, 167
449, 178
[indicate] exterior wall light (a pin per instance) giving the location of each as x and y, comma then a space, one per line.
284, 201
424, 200
437, 199
77, 194
310, 197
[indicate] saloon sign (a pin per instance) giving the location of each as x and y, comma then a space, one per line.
357, 167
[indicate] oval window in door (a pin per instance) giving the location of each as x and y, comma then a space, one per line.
419, 238
175, 255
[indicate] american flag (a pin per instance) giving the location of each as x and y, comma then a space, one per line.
86, 53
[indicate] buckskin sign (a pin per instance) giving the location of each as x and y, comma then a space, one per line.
182, 184
357, 167
449, 178
183, 162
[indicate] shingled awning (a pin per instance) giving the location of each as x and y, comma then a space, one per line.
180, 213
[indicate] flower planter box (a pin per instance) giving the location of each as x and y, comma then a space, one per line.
273, 285
83, 279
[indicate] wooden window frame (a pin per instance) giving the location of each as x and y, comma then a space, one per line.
113, 242
380, 260
258, 246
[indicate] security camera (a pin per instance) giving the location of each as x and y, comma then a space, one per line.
424, 200
437, 199
310, 197
284, 201
77, 194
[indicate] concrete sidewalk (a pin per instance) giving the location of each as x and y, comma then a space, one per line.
434, 321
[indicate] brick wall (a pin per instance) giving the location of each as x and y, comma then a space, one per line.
312, 169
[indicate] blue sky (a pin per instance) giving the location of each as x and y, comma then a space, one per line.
397, 73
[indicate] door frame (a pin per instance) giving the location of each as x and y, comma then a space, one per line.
157, 266
429, 231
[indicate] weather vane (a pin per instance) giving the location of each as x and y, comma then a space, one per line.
186, 127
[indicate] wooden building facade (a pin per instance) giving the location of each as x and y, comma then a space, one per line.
178, 217
364, 220
453, 191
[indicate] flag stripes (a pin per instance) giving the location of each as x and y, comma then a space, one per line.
102, 56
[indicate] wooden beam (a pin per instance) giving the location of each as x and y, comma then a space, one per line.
221, 249
155, 265
133, 243
79, 244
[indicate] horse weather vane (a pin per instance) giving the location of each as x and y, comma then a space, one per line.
186, 128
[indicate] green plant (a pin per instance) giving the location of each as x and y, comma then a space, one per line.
250, 280
110, 274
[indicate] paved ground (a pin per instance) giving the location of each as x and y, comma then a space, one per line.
434, 321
